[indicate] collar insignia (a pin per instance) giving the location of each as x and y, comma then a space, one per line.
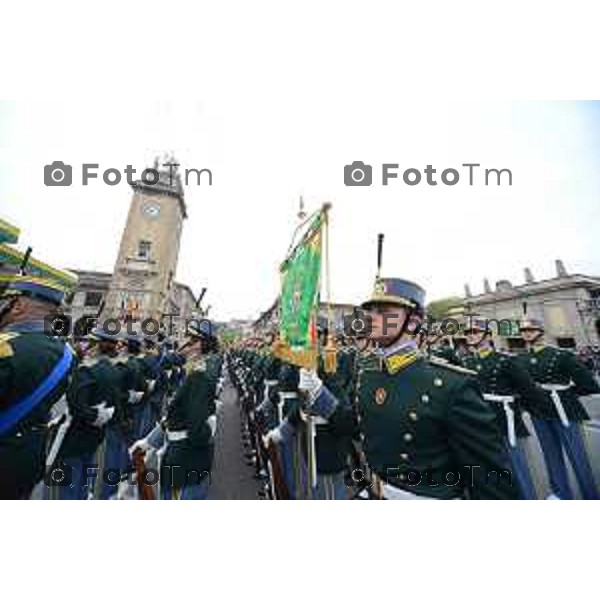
380, 395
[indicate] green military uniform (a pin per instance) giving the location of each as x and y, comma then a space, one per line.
190, 457
556, 418
446, 353
96, 382
550, 365
501, 374
334, 438
34, 375
509, 390
26, 360
190, 424
430, 419
96, 438
426, 431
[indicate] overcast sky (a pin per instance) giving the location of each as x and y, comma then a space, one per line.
267, 149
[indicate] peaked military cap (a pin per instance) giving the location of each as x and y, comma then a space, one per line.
529, 323
392, 290
40, 288
202, 328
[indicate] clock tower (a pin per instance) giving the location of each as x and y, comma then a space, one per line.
144, 273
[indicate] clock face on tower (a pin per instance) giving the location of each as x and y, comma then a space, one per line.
151, 210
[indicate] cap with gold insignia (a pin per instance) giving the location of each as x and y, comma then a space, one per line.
531, 324
399, 292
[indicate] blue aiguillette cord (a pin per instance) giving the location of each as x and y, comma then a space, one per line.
11, 416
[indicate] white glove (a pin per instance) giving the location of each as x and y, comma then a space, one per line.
273, 436
151, 384
310, 383
212, 423
135, 397
143, 445
104, 414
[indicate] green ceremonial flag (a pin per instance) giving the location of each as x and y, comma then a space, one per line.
300, 279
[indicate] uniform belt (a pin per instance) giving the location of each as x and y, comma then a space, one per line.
506, 402
177, 436
288, 395
554, 388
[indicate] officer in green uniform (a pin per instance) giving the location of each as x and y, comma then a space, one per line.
509, 389
558, 417
188, 429
34, 375
427, 432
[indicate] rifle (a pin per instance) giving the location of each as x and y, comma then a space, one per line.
267, 456
25, 260
279, 488
146, 491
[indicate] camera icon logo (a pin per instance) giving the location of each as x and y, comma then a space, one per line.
59, 475
357, 324
357, 173
58, 174
57, 325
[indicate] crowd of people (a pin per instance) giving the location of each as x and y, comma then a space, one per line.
384, 414
75, 412
424, 415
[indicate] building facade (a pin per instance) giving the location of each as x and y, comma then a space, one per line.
569, 305
89, 297
142, 284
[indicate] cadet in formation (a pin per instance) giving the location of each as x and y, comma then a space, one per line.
557, 418
425, 430
185, 437
509, 389
79, 438
34, 376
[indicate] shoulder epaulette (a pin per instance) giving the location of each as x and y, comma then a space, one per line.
9, 335
440, 362
6, 349
89, 361
119, 360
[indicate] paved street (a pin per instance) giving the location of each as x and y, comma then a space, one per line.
231, 478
